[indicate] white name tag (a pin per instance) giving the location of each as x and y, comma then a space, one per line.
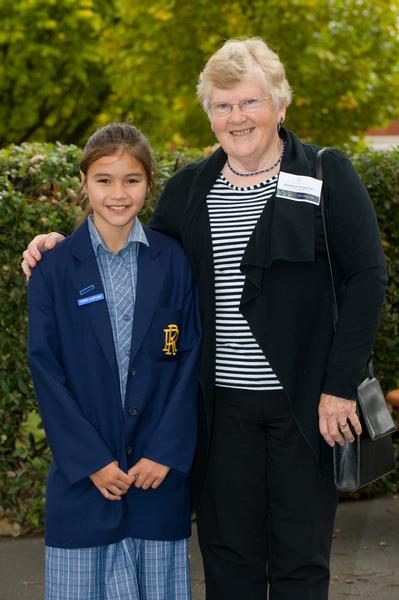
299, 188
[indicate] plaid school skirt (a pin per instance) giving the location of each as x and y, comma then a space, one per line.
132, 569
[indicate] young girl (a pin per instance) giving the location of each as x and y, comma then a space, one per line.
113, 347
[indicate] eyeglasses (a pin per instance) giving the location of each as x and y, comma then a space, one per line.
247, 105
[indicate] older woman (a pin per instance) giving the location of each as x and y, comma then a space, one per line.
278, 386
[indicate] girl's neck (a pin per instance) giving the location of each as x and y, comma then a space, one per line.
114, 237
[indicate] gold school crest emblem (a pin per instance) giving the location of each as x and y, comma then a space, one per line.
171, 336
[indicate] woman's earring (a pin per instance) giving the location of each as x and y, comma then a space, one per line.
280, 124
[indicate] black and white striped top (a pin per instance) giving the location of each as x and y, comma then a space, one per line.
233, 214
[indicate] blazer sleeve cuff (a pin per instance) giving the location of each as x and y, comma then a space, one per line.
334, 386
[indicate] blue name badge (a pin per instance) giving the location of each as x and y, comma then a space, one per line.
87, 289
90, 299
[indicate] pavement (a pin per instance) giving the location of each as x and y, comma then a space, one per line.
364, 561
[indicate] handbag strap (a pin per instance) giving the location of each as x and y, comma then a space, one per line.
334, 303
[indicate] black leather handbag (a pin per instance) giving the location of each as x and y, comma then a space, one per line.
371, 456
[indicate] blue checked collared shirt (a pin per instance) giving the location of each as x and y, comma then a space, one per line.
119, 277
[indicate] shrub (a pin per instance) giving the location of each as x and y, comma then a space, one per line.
38, 192
380, 173
37, 185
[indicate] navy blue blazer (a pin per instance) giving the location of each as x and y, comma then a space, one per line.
74, 369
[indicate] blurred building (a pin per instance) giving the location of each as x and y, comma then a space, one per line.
381, 139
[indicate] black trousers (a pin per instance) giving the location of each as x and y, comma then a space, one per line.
266, 513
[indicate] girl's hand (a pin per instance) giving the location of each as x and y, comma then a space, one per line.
111, 481
39, 244
148, 473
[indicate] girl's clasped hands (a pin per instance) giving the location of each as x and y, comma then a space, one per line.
113, 483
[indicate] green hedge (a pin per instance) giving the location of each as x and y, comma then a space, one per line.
38, 184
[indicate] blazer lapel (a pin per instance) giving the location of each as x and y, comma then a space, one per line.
150, 278
193, 236
86, 275
197, 242
285, 230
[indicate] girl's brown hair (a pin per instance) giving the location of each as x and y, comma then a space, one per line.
116, 137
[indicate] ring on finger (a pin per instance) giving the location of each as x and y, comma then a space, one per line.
343, 426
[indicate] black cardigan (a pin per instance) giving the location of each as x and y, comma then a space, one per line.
286, 296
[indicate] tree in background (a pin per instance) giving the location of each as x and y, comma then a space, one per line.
341, 57
68, 66
52, 64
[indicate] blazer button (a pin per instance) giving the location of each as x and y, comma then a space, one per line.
129, 450
132, 371
133, 412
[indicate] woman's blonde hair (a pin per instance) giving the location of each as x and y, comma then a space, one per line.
240, 59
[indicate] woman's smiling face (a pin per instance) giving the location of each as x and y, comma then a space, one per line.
245, 136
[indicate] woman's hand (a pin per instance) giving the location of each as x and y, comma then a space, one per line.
148, 473
39, 244
335, 415
111, 481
